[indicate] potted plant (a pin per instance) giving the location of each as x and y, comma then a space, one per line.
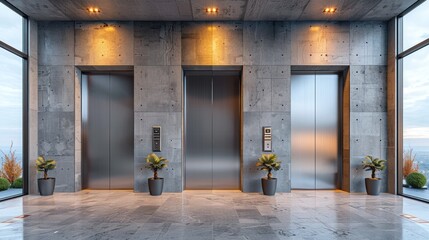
155, 163
372, 164
46, 184
268, 162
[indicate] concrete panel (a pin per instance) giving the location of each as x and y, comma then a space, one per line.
266, 43
104, 43
171, 136
228, 10
56, 88
368, 89
217, 43
320, 43
56, 43
252, 148
368, 43
347, 10
157, 43
368, 124
266, 88
368, 137
387, 9
274, 10
63, 173
227, 43
56, 134
362, 146
197, 43
158, 88
194, 10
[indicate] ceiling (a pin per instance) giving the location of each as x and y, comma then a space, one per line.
194, 10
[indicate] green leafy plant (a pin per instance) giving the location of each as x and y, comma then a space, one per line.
416, 180
155, 163
17, 184
44, 165
10, 169
373, 164
4, 184
268, 162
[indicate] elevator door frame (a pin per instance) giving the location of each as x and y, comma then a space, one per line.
239, 70
84, 75
341, 73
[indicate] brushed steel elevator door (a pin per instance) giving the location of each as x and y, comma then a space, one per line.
107, 131
212, 130
315, 131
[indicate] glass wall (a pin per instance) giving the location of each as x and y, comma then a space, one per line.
414, 79
13, 71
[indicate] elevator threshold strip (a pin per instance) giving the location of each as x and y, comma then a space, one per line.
415, 219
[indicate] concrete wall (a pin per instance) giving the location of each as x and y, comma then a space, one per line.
56, 100
158, 99
266, 50
368, 118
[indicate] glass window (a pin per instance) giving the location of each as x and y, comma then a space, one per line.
11, 104
415, 104
416, 25
11, 132
11, 27
416, 118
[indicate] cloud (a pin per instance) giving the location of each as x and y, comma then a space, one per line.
416, 90
415, 25
10, 27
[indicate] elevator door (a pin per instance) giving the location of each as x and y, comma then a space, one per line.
212, 130
107, 131
314, 125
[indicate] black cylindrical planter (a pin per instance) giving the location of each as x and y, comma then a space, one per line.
373, 186
269, 186
46, 186
155, 186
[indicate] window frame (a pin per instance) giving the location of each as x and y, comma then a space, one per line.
401, 54
25, 68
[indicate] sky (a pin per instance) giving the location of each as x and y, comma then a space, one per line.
416, 79
10, 81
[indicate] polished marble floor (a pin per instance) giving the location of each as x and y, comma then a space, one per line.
214, 215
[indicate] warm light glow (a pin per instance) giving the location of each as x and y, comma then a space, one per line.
110, 29
330, 10
212, 10
314, 28
93, 10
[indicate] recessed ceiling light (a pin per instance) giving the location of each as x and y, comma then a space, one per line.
93, 10
329, 10
212, 10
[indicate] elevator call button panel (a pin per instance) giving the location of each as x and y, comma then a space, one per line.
156, 138
267, 139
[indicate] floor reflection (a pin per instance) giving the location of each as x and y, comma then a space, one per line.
213, 215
